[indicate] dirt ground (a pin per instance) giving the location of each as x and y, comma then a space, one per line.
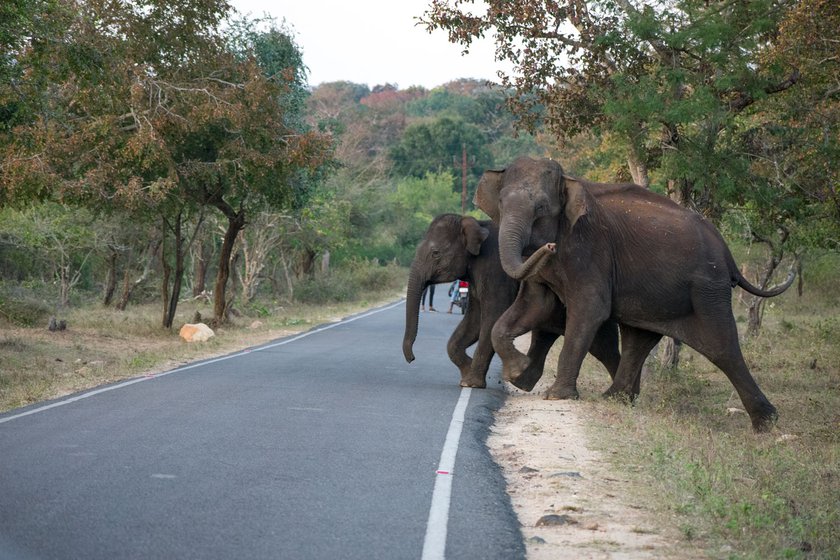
570, 502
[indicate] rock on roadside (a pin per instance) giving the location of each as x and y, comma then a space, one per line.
198, 332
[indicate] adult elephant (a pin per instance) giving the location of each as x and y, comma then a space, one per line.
463, 247
623, 253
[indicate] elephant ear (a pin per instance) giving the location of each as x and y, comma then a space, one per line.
487, 194
473, 234
577, 204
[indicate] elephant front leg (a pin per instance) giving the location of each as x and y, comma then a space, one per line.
533, 302
576, 343
514, 362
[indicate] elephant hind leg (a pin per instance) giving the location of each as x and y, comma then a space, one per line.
636, 345
605, 347
718, 341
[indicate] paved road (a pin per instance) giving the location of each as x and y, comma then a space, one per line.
324, 445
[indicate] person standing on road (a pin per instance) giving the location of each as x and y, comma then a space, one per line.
453, 294
431, 290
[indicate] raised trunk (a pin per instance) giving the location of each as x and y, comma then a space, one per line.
416, 285
512, 239
512, 236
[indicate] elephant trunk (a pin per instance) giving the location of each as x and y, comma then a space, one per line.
416, 284
513, 237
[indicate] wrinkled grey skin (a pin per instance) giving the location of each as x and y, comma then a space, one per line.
623, 253
462, 247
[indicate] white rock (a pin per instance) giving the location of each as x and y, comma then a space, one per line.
198, 332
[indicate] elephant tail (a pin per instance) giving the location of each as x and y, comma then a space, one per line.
739, 280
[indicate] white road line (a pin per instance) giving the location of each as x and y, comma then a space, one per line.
195, 365
434, 545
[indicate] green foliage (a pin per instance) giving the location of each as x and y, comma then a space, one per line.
437, 146
444, 103
426, 197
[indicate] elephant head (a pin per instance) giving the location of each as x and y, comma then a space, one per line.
531, 201
442, 256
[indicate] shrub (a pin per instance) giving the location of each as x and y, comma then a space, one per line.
22, 307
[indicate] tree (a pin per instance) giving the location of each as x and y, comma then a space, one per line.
668, 78
793, 141
416, 201
178, 118
437, 146
63, 237
792, 199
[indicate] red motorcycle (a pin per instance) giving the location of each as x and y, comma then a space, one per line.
462, 299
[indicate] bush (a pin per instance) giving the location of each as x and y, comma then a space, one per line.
350, 280
324, 289
23, 307
25, 312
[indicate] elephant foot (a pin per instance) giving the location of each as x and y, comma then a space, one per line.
474, 381
528, 379
765, 419
515, 367
619, 395
555, 393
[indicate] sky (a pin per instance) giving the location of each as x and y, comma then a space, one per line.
374, 42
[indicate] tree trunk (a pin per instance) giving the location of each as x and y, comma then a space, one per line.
167, 271
638, 168
110, 278
325, 263
236, 221
756, 303
63, 285
170, 298
129, 286
178, 277
669, 352
201, 266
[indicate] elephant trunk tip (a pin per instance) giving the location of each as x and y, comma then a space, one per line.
534, 264
408, 352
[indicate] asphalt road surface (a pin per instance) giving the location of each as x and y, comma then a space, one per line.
321, 445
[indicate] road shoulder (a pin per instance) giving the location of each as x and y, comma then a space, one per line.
571, 501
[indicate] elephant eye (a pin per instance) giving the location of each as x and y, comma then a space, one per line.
435, 254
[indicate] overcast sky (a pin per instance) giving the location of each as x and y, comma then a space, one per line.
374, 42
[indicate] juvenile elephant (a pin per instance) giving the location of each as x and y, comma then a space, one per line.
463, 247
623, 253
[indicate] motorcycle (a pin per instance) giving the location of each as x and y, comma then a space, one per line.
462, 299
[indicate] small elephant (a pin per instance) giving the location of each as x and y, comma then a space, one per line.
622, 253
463, 247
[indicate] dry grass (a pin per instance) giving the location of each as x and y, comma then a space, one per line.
102, 345
734, 493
